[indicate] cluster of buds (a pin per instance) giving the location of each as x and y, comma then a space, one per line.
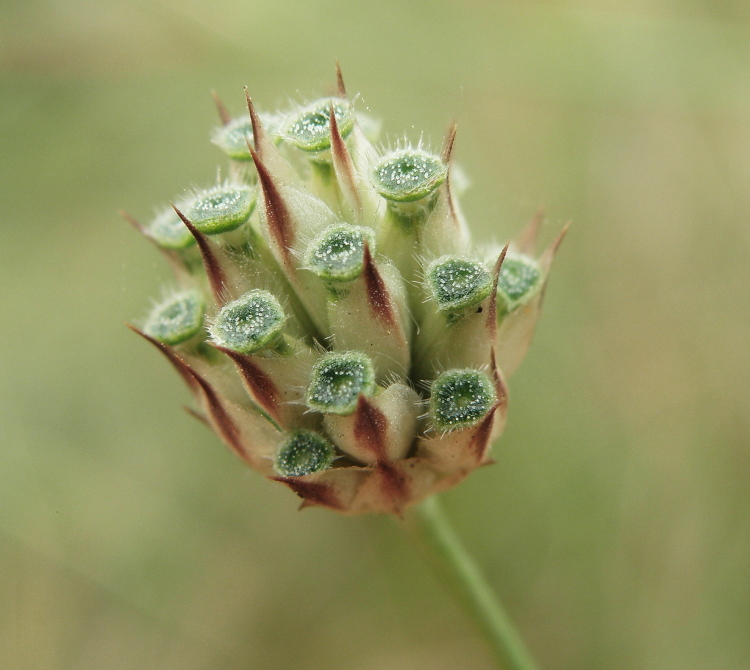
333, 322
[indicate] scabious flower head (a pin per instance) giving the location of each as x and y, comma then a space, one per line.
333, 321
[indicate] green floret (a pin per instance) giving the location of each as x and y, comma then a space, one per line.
232, 138
460, 399
303, 453
249, 324
177, 319
169, 232
457, 283
519, 278
336, 381
408, 175
221, 208
309, 128
337, 254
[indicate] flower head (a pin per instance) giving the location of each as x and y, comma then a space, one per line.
334, 324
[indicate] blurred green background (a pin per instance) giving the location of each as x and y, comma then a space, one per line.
616, 523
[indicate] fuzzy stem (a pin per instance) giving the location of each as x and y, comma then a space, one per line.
474, 590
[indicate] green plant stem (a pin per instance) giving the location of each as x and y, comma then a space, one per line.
474, 589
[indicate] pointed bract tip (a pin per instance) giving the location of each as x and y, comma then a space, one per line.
224, 114
549, 253
500, 259
561, 235
182, 368
501, 388
370, 427
196, 415
526, 242
214, 271
492, 307
340, 86
197, 234
343, 164
184, 219
377, 293
259, 132
450, 140
134, 222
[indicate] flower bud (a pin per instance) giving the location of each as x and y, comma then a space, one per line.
520, 277
303, 453
169, 232
249, 324
221, 208
337, 254
460, 399
233, 138
177, 319
408, 175
309, 128
337, 380
407, 179
457, 283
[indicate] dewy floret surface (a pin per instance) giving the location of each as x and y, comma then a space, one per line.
458, 283
303, 453
337, 380
177, 319
249, 323
337, 254
408, 174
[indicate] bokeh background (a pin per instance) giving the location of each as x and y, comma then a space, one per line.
616, 523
